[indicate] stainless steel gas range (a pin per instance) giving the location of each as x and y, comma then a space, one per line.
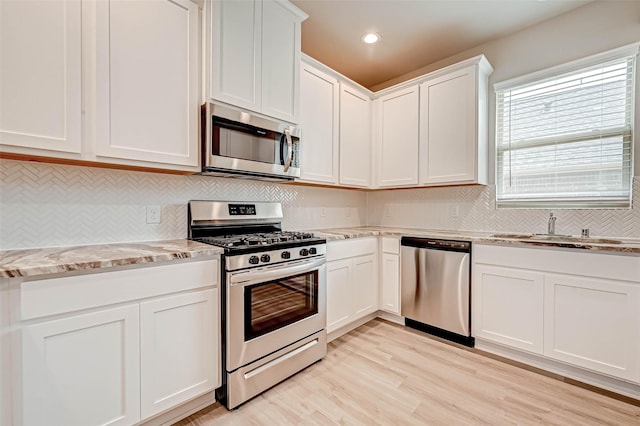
273, 295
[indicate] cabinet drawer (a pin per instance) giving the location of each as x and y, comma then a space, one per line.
391, 245
350, 248
66, 294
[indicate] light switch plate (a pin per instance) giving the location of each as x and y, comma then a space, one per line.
153, 214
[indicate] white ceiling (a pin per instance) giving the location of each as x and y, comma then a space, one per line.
414, 33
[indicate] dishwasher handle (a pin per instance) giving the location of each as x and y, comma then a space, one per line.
436, 244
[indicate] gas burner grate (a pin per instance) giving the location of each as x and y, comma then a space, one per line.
256, 239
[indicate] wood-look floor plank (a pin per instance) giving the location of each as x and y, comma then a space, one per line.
383, 374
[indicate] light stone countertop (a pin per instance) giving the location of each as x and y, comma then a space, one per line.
33, 262
596, 243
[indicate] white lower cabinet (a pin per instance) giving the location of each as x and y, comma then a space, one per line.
593, 323
579, 308
178, 351
83, 369
390, 275
352, 281
365, 285
117, 347
508, 306
339, 311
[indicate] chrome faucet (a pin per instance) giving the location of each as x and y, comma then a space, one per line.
551, 226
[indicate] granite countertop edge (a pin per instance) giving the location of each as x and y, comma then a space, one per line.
44, 261
54, 260
626, 245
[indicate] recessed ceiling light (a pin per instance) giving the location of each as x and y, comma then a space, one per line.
371, 38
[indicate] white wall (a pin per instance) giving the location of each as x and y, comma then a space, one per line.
591, 29
45, 205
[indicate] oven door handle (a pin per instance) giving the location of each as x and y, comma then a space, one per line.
255, 277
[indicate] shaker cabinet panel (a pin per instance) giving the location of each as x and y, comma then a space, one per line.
454, 125
398, 133
179, 349
147, 82
390, 285
82, 370
355, 137
508, 306
281, 43
255, 56
236, 41
319, 124
339, 308
41, 76
593, 323
365, 285
448, 122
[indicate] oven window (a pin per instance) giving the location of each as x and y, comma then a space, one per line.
276, 304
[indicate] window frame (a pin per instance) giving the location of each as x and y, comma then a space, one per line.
631, 50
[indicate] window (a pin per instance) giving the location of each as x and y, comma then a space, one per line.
564, 138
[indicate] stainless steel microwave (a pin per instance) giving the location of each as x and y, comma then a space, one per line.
240, 144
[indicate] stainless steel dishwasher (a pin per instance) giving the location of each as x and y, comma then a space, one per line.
435, 287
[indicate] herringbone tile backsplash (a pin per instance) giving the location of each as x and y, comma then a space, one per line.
45, 205
473, 208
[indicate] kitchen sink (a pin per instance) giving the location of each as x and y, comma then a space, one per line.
558, 238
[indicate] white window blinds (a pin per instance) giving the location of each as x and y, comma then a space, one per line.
566, 141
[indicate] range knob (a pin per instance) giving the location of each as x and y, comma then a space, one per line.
265, 258
286, 255
304, 252
313, 250
254, 260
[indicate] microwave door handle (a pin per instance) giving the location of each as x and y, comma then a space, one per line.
287, 163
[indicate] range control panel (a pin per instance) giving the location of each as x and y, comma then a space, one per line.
242, 209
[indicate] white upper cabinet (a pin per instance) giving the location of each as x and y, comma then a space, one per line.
398, 138
355, 136
319, 126
147, 87
40, 77
236, 42
255, 56
453, 125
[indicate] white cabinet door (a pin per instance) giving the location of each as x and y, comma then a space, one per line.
398, 132
339, 303
390, 285
236, 43
364, 281
82, 370
448, 128
179, 349
255, 56
280, 61
508, 306
147, 81
355, 137
593, 323
40, 76
319, 125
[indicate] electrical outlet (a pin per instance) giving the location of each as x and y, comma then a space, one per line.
323, 212
153, 214
347, 212
387, 211
455, 211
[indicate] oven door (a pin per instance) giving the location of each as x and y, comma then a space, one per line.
272, 307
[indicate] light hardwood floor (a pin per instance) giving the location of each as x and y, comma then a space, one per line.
387, 374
